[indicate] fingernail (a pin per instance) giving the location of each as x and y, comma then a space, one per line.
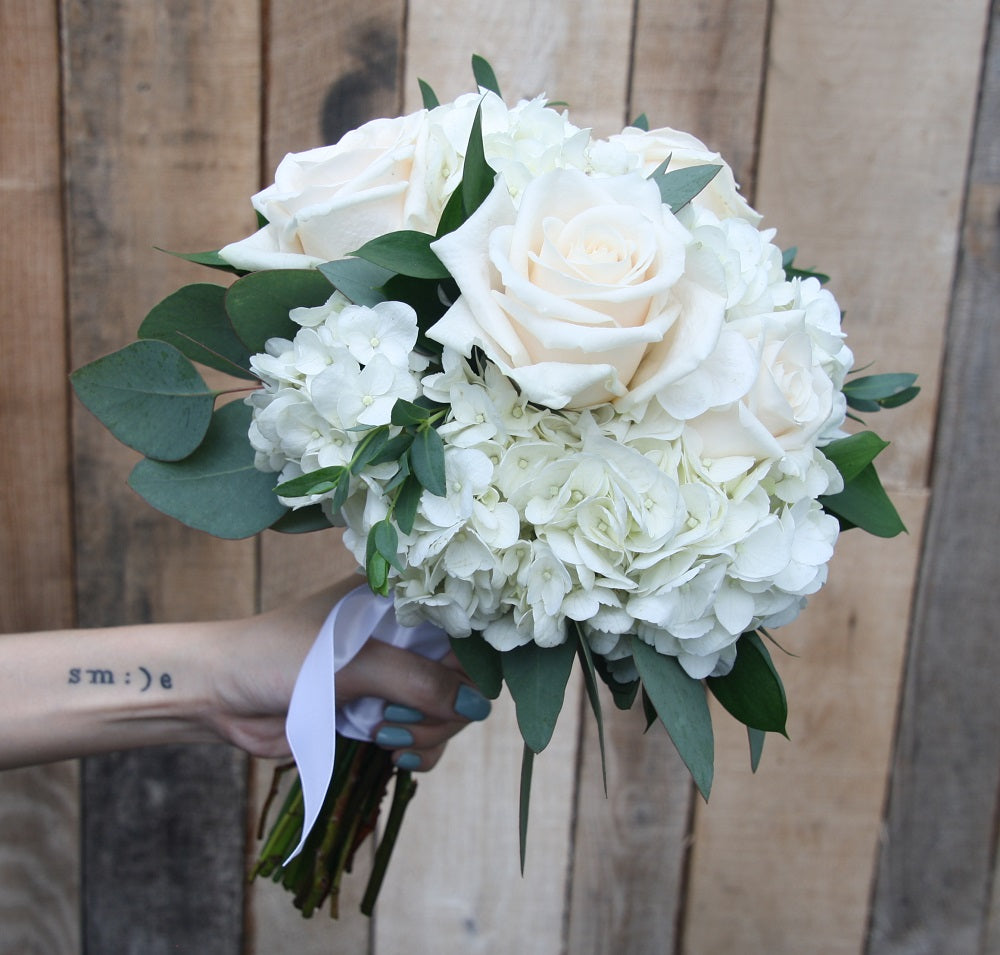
408, 761
397, 713
471, 703
393, 737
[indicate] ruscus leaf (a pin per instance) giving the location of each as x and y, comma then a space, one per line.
427, 94
484, 75
477, 175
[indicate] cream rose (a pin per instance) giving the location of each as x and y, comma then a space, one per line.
589, 292
721, 195
327, 202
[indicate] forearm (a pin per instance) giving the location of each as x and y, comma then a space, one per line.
76, 692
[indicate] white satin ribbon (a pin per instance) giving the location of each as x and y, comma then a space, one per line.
313, 715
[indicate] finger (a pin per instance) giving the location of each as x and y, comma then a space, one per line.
422, 736
421, 761
437, 691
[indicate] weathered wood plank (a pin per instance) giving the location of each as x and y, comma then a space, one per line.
326, 75
869, 187
939, 853
39, 815
155, 157
691, 72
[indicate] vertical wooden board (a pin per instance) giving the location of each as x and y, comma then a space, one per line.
39, 816
325, 74
862, 166
631, 846
938, 859
156, 156
454, 885
782, 860
699, 67
574, 52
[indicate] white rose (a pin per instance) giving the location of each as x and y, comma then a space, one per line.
327, 202
721, 195
588, 292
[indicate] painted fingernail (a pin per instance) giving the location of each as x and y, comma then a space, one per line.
394, 737
397, 713
471, 703
408, 761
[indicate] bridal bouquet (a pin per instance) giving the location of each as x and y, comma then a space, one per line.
566, 396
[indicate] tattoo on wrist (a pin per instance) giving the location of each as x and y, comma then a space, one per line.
97, 676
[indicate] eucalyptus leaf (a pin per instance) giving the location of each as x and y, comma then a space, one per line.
150, 397
484, 75
217, 489
427, 461
863, 503
524, 803
623, 694
481, 661
755, 738
854, 453
406, 252
427, 94
752, 691
193, 319
302, 520
258, 304
682, 707
590, 683
361, 281
679, 186
641, 122
536, 677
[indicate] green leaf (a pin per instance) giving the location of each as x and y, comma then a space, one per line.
481, 661
484, 75
302, 520
874, 392
150, 397
361, 281
427, 461
756, 740
258, 304
622, 693
406, 413
425, 298
406, 503
852, 454
392, 450
406, 253
427, 94
217, 489
901, 397
195, 322
320, 481
369, 448
453, 214
477, 175
752, 691
212, 259
377, 571
648, 710
791, 272
863, 503
641, 122
387, 542
536, 677
679, 187
590, 683
524, 803
681, 704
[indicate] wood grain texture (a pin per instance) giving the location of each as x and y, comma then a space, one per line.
939, 854
39, 811
154, 158
699, 67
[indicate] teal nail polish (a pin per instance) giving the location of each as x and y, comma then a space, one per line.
397, 713
471, 703
408, 762
394, 737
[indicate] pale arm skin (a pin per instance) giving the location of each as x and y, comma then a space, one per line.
69, 693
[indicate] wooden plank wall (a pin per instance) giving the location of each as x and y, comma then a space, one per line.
129, 124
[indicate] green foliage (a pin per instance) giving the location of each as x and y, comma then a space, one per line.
791, 272
680, 186
405, 253
484, 75
524, 803
536, 677
682, 707
427, 95
150, 397
217, 488
623, 694
210, 259
641, 122
752, 691
755, 739
854, 453
194, 320
477, 175
863, 503
590, 684
258, 304
875, 392
481, 661
358, 279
